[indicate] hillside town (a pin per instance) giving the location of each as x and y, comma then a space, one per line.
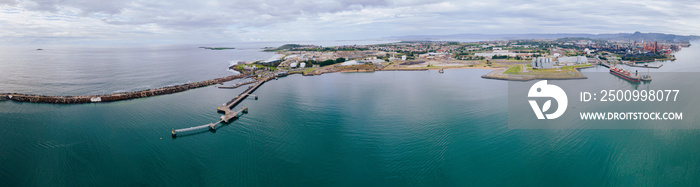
423, 55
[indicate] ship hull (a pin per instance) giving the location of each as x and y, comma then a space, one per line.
624, 76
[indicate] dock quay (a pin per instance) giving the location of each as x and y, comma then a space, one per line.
227, 107
645, 65
114, 96
229, 114
238, 85
632, 64
233, 114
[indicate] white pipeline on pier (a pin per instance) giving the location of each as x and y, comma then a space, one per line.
226, 109
195, 129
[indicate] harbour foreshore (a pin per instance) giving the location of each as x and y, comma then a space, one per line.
501, 74
114, 96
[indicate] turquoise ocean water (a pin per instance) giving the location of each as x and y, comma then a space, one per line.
350, 129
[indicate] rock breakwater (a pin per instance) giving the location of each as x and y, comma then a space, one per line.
115, 96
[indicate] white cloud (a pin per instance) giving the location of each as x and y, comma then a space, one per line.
207, 21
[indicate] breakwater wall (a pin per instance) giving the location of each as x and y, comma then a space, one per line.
115, 96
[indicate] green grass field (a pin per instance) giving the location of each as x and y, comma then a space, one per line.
563, 71
516, 69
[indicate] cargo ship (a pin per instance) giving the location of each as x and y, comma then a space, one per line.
622, 73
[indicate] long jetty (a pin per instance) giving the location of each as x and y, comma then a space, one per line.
115, 96
204, 128
226, 108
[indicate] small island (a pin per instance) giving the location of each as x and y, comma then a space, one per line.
217, 48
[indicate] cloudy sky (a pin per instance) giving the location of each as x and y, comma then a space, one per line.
176, 21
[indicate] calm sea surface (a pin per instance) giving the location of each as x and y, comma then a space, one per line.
354, 129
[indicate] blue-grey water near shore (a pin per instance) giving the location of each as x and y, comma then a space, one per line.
381, 129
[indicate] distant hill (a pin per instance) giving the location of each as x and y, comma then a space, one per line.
637, 36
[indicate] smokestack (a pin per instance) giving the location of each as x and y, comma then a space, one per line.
656, 45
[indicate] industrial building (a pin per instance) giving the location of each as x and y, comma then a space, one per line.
500, 52
270, 61
542, 63
573, 60
433, 55
350, 63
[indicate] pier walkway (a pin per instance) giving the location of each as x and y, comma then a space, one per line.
226, 108
211, 126
238, 84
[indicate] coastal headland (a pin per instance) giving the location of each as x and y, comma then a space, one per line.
517, 60
114, 96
